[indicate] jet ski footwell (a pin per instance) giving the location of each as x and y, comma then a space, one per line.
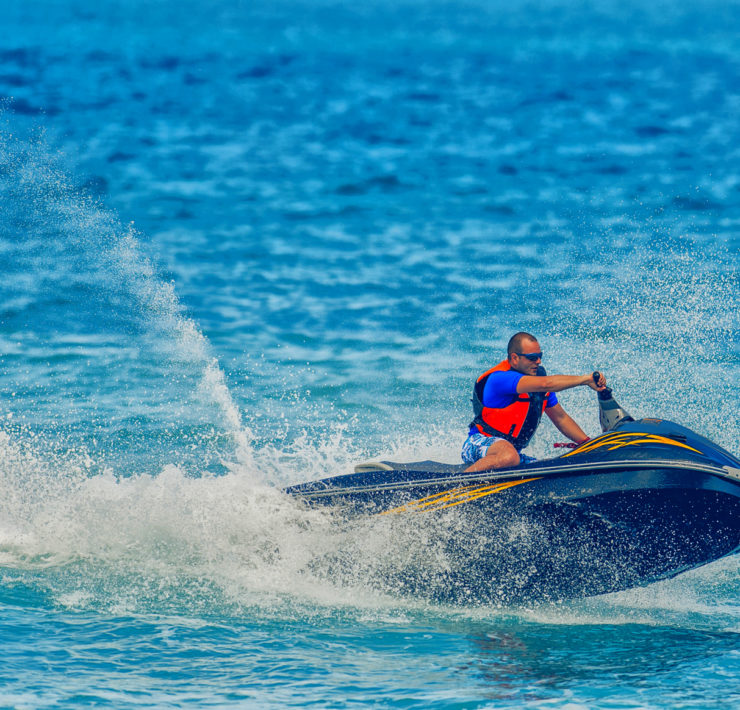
642, 503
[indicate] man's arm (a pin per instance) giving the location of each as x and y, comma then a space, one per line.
558, 383
565, 423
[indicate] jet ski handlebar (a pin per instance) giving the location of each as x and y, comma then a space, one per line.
606, 393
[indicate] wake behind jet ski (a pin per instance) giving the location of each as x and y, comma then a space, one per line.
644, 501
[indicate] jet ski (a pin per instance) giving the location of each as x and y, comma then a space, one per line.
646, 500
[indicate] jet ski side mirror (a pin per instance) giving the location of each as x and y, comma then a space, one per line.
611, 414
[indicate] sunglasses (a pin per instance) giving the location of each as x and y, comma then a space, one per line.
531, 356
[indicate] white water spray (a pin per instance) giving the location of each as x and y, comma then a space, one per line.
36, 184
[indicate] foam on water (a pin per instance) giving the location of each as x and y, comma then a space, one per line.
220, 545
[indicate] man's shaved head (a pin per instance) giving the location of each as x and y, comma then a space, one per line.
517, 340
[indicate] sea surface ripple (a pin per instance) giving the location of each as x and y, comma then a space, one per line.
247, 245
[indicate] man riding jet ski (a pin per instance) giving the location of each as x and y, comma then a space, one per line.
508, 402
646, 500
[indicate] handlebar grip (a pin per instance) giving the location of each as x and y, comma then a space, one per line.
606, 393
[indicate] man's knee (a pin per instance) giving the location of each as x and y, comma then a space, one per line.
515, 458
500, 454
505, 455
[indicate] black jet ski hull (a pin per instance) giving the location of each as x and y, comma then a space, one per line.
632, 507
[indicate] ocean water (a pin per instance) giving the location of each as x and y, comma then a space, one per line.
245, 245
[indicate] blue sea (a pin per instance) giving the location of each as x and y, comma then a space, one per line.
249, 244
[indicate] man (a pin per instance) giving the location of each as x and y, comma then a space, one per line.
508, 401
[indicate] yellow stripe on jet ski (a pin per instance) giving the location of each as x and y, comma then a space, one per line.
619, 440
456, 496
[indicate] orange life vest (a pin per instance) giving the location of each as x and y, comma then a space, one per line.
516, 422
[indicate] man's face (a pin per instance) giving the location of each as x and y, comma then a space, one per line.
523, 364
